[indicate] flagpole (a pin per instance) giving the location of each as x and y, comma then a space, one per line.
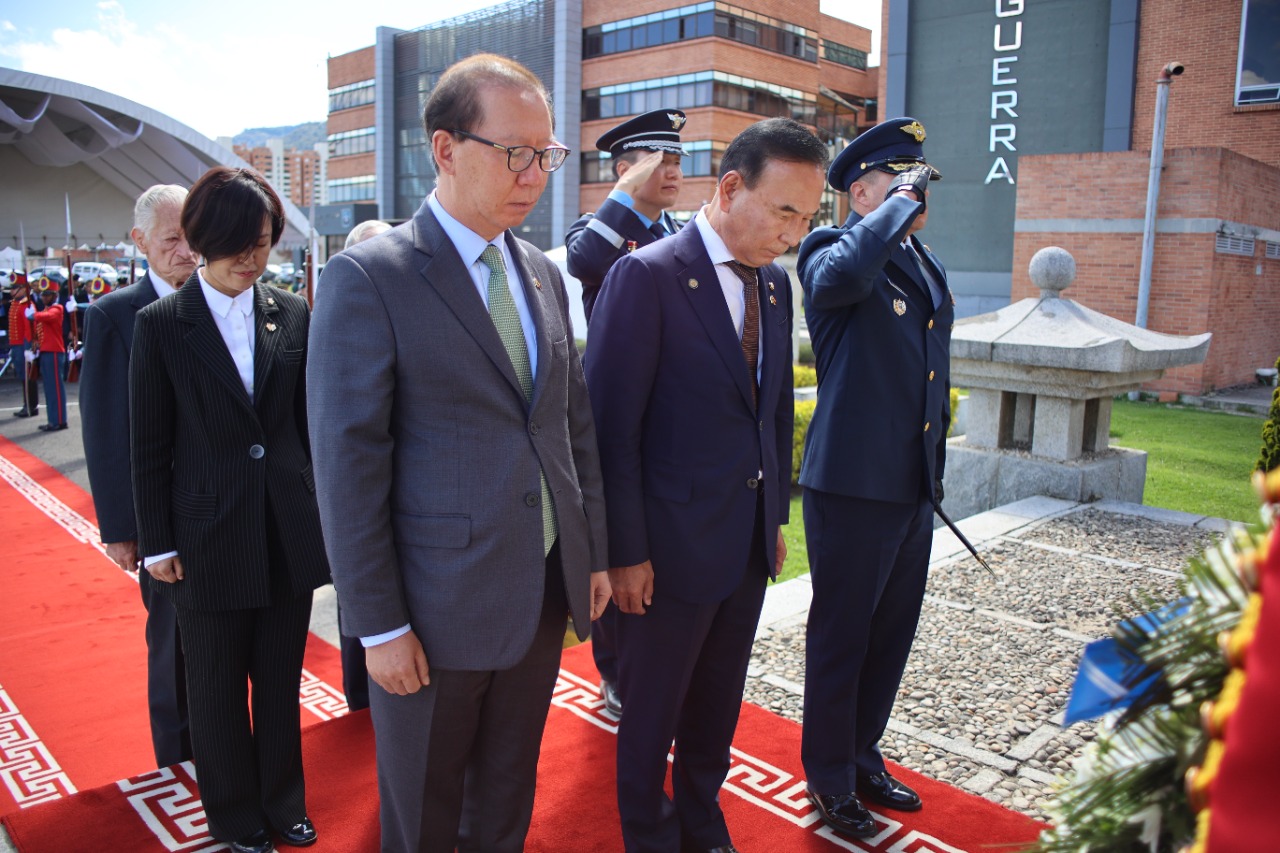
67, 197
22, 245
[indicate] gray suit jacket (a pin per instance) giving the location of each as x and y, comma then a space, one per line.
427, 454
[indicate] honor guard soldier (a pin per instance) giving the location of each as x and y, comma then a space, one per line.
880, 315
22, 345
646, 152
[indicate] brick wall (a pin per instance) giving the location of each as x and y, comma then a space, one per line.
352, 119
1193, 288
1204, 35
353, 67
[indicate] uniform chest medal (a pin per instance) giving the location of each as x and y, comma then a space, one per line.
899, 307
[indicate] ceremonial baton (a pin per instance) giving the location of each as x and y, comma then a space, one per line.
963, 541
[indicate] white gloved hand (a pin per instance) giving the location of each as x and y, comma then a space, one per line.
30, 312
71, 305
30, 356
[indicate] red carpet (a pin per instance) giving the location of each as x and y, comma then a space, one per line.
73, 717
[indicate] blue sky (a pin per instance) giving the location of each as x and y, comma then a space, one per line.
224, 66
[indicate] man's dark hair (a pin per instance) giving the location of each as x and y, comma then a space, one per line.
772, 139
222, 216
454, 103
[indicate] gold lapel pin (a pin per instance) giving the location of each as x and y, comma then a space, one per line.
899, 307
693, 284
271, 300
771, 286
773, 300
537, 283
271, 327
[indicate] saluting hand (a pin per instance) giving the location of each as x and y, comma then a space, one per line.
632, 587
634, 178
398, 666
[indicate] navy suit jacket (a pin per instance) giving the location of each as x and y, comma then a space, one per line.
597, 240
883, 354
104, 405
681, 444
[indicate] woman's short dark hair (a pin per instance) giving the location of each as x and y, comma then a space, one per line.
772, 139
222, 216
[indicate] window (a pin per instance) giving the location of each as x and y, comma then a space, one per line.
351, 95
351, 142
701, 89
835, 52
351, 189
1258, 74
699, 21
1230, 244
1273, 249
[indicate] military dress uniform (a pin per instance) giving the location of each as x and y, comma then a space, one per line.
593, 245
22, 338
880, 316
597, 240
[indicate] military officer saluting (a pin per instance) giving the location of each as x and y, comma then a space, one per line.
646, 152
879, 314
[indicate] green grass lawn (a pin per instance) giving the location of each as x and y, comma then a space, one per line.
1197, 461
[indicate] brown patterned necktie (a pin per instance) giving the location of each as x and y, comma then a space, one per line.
750, 321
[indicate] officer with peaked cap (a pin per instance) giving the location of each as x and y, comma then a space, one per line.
646, 152
879, 314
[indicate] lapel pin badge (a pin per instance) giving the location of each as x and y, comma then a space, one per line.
271, 300
771, 285
271, 327
537, 283
899, 307
693, 284
773, 300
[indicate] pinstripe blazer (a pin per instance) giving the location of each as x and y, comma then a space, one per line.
427, 453
208, 463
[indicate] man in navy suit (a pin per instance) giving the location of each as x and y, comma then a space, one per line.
104, 415
880, 315
689, 373
645, 151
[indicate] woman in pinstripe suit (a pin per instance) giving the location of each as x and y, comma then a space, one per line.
227, 517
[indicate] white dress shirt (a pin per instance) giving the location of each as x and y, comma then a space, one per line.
160, 286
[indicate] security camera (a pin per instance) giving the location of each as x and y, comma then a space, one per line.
1175, 68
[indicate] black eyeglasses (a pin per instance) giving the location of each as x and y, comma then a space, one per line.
521, 157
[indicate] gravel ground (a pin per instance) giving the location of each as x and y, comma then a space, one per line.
991, 670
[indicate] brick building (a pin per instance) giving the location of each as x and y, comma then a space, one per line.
725, 65
297, 175
1076, 101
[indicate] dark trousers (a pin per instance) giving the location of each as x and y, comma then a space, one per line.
868, 562
30, 387
53, 368
166, 678
681, 672
458, 759
249, 768
604, 643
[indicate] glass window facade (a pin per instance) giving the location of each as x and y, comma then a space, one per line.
351, 142
703, 161
1258, 78
351, 95
833, 51
351, 189
702, 89
699, 21
524, 31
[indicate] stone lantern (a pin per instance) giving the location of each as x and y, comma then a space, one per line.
1041, 375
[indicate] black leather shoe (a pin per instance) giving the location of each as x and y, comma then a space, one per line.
612, 701
884, 790
259, 842
844, 813
23, 413
301, 834
51, 427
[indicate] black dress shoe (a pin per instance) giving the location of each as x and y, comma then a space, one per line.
51, 427
884, 790
301, 834
844, 813
612, 701
23, 413
259, 842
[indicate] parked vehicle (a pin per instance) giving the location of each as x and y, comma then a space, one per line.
89, 270
54, 273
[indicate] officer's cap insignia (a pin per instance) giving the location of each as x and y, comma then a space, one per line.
677, 120
899, 307
916, 129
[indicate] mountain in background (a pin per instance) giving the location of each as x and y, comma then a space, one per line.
299, 136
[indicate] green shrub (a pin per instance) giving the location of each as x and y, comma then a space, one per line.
805, 355
1270, 455
805, 376
804, 414
955, 401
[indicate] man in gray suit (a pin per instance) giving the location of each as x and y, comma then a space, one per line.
457, 472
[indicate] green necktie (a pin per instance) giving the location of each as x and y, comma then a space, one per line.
502, 309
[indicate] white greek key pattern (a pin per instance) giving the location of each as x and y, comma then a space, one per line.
167, 803
30, 772
320, 698
764, 786
81, 529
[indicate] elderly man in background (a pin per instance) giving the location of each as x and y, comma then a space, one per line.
104, 418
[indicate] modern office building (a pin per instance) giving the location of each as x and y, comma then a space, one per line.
725, 65
1040, 116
